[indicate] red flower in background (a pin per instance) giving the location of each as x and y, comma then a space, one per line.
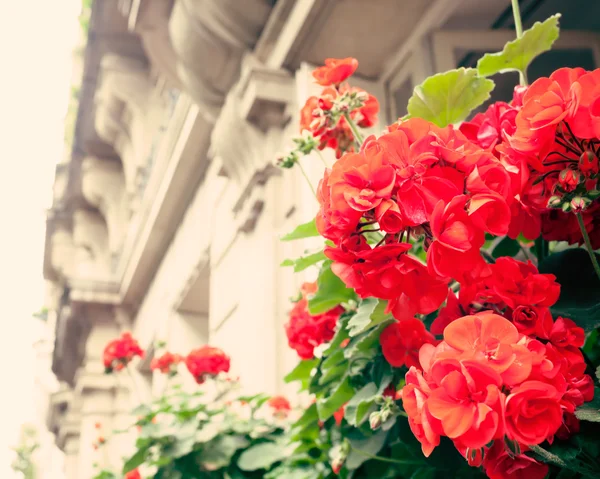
167, 363
135, 474
280, 406
206, 362
335, 71
119, 352
305, 331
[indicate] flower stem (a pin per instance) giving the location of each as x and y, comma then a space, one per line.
322, 157
355, 131
519, 30
312, 188
588, 244
387, 459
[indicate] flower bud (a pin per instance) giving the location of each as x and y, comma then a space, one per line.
554, 202
512, 447
375, 420
588, 163
474, 457
568, 179
578, 204
593, 194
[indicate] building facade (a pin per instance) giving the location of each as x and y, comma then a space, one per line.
168, 210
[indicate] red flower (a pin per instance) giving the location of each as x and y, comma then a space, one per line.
518, 283
206, 361
455, 249
401, 341
489, 128
335, 71
533, 412
565, 333
338, 416
467, 402
500, 464
119, 352
167, 363
305, 331
135, 474
533, 321
280, 405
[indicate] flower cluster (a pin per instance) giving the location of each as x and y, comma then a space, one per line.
487, 381
119, 352
166, 363
549, 136
305, 331
422, 184
327, 120
206, 362
280, 406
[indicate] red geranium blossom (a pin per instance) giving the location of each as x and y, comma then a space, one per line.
499, 463
167, 363
280, 406
119, 352
335, 71
205, 362
305, 331
401, 341
135, 474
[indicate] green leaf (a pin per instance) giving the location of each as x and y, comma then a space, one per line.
302, 371
331, 291
306, 230
518, 54
588, 414
370, 313
218, 453
365, 344
506, 247
300, 264
261, 456
339, 396
579, 299
136, 460
362, 449
449, 97
358, 407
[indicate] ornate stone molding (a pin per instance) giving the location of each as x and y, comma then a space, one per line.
151, 22
90, 238
121, 103
209, 38
103, 186
248, 131
62, 253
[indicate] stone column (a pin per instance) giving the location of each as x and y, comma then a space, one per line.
71, 449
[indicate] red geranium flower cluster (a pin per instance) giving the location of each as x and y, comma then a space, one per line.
167, 363
487, 381
323, 115
549, 137
119, 352
304, 331
280, 406
207, 362
416, 183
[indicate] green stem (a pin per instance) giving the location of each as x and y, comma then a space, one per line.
588, 244
322, 157
519, 30
355, 131
388, 459
312, 188
541, 249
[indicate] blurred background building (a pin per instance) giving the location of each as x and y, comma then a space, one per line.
168, 209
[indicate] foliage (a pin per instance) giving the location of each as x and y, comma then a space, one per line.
24, 451
212, 432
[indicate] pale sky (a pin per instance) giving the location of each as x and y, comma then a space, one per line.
37, 38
